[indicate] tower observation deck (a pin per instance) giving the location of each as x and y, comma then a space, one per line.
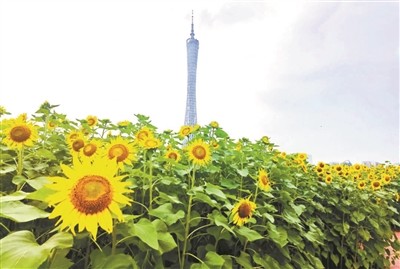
192, 47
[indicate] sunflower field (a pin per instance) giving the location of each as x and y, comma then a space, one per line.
91, 193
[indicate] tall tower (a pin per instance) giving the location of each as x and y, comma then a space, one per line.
192, 47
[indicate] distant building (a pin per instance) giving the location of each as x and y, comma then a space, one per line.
192, 47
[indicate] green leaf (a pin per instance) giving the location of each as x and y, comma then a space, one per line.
118, 261
364, 234
244, 260
20, 212
166, 213
334, 258
357, 217
58, 261
199, 196
266, 262
214, 190
16, 196
18, 180
213, 260
251, 235
20, 249
41, 194
243, 172
38, 182
277, 234
165, 240
220, 220
46, 154
146, 232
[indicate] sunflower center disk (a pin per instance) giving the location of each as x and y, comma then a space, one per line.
91, 195
173, 155
78, 144
20, 133
264, 180
244, 210
89, 149
199, 152
119, 151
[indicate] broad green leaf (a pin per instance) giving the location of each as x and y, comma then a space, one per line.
244, 260
266, 262
220, 220
100, 260
357, 216
166, 213
46, 154
214, 190
58, 261
251, 235
243, 172
199, 196
213, 260
16, 196
18, 179
299, 209
334, 258
165, 240
146, 232
20, 249
277, 234
20, 212
364, 234
38, 183
41, 194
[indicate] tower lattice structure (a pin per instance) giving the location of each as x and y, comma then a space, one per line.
192, 47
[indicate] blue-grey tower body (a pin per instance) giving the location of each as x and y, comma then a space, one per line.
192, 47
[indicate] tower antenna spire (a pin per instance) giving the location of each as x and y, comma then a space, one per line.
192, 32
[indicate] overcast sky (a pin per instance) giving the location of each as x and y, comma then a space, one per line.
316, 77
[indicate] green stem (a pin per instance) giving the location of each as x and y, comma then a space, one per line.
114, 240
187, 226
255, 196
187, 223
20, 159
150, 186
87, 254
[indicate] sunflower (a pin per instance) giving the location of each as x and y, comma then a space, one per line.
19, 133
376, 184
397, 197
173, 154
91, 120
214, 124
301, 156
243, 211
263, 180
91, 149
265, 139
361, 184
357, 167
51, 125
120, 149
123, 123
386, 179
199, 152
328, 179
76, 145
151, 143
185, 131
321, 165
143, 134
214, 144
89, 196
73, 135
